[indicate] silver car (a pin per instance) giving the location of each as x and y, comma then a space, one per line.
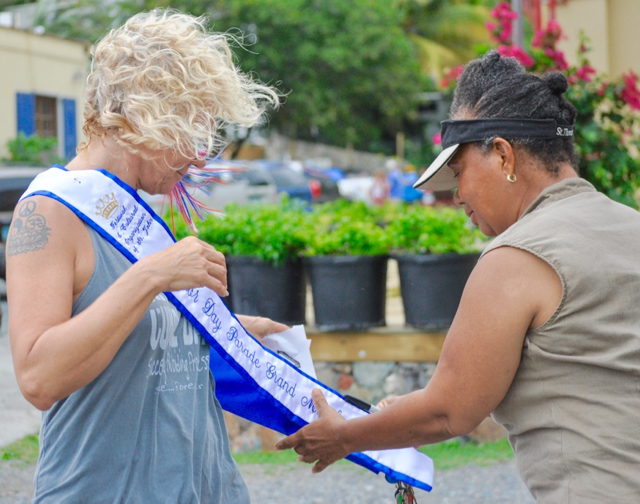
247, 184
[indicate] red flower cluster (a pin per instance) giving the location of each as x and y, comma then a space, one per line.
557, 57
546, 40
584, 73
502, 31
451, 77
630, 92
518, 53
549, 36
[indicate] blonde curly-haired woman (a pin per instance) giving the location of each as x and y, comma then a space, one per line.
129, 412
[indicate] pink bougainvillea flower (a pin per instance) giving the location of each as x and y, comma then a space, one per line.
503, 30
451, 76
437, 139
554, 29
560, 61
630, 91
536, 41
518, 53
585, 73
503, 11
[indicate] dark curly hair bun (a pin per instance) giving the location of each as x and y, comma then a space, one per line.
495, 87
491, 57
556, 82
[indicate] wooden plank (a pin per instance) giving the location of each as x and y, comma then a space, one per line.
392, 344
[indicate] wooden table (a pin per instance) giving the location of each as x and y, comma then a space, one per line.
390, 343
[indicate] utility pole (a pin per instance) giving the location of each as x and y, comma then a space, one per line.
518, 29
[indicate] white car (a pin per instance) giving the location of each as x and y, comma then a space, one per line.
356, 188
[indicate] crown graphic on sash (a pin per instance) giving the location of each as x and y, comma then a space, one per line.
107, 206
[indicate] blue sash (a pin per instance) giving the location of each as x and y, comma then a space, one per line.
251, 381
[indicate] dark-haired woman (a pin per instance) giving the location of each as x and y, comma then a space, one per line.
547, 334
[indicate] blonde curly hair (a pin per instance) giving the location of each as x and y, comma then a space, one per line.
161, 81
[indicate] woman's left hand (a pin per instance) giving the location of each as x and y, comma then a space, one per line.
319, 441
261, 326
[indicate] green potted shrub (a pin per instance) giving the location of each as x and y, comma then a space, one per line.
346, 261
261, 244
436, 248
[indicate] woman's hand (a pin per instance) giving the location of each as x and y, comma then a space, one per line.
261, 326
189, 263
320, 440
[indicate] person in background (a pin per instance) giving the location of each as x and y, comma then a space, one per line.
395, 176
379, 192
96, 345
410, 177
547, 334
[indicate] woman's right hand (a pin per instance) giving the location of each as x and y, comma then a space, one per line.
55, 353
189, 263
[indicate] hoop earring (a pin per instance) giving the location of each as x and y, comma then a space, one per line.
512, 178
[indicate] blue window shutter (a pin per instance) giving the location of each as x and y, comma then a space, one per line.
26, 110
70, 139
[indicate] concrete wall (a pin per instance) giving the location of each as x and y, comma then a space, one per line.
611, 26
279, 147
40, 64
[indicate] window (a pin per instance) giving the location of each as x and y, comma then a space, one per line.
38, 115
46, 117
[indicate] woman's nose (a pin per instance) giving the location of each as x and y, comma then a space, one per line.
199, 162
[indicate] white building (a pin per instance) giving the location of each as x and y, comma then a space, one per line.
42, 79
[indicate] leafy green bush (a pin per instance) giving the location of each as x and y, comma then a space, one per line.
273, 233
348, 238
432, 230
283, 231
33, 150
608, 134
346, 228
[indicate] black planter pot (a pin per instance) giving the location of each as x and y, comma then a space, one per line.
256, 287
431, 287
349, 292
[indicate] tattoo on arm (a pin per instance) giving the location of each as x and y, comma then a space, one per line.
28, 230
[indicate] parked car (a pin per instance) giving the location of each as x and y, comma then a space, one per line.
356, 187
295, 184
247, 184
293, 179
13, 182
323, 187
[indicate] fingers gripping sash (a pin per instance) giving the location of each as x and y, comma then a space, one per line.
251, 381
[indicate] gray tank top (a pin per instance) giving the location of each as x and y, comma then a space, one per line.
573, 410
148, 429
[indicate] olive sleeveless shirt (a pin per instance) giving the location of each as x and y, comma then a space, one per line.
573, 410
148, 429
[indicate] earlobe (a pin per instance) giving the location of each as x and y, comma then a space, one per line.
505, 150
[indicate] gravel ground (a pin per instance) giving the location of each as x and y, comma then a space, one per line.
339, 484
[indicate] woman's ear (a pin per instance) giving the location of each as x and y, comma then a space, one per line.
504, 150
